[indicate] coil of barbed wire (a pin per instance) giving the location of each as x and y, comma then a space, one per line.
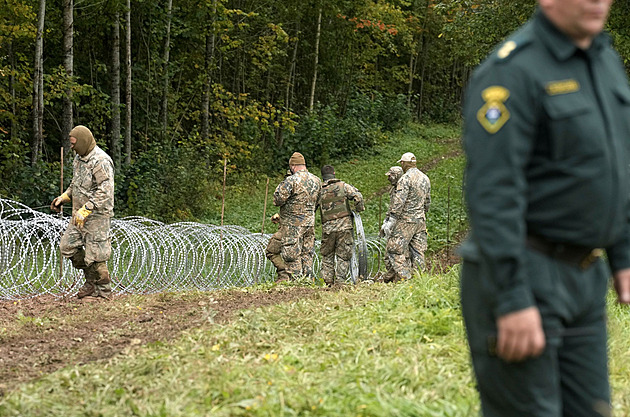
148, 256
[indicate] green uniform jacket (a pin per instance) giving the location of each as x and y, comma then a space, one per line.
547, 135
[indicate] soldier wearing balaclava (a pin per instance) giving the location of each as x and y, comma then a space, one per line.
86, 241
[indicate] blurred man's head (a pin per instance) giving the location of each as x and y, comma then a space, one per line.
580, 20
81, 140
297, 162
394, 174
408, 160
328, 172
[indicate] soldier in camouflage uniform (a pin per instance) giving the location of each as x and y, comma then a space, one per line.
406, 224
297, 198
393, 175
86, 241
273, 250
337, 231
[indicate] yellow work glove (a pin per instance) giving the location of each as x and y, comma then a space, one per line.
57, 202
275, 218
80, 216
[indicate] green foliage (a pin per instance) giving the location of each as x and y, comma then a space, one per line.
325, 135
166, 183
35, 186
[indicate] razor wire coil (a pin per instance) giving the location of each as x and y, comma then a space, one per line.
148, 256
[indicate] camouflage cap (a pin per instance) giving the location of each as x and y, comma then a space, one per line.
85, 140
297, 159
394, 174
394, 171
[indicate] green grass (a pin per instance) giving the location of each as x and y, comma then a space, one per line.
373, 350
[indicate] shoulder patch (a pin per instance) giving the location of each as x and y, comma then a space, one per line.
493, 114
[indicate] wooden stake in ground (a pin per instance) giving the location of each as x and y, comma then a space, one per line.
262, 231
61, 217
223, 197
380, 204
222, 213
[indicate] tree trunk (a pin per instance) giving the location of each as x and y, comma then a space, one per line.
128, 85
412, 69
68, 64
14, 126
314, 83
167, 48
205, 105
115, 95
425, 48
38, 77
291, 78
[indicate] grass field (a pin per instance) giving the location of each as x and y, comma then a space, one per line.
372, 350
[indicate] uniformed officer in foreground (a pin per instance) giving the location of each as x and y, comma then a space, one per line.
87, 241
337, 227
547, 131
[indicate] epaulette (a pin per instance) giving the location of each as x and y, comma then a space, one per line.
512, 46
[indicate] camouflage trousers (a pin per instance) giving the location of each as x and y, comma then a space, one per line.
89, 249
336, 245
298, 245
405, 249
272, 252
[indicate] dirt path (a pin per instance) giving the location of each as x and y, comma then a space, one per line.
42, 335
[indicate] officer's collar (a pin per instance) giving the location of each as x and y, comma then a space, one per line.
560, 44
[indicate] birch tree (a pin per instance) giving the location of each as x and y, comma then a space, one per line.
128, 84
68, 64
316, 60
38, 87
115, 92
166, 57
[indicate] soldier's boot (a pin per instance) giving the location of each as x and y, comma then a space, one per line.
102, 284
398, 277
78, 261
389, 276
283, 276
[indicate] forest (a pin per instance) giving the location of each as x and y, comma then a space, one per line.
179, 91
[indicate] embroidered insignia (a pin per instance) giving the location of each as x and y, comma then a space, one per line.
562, 87
493, 114
506, 49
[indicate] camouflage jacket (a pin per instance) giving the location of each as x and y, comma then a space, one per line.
297, 196
392, 192
336, 198
93, 180
412, 197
